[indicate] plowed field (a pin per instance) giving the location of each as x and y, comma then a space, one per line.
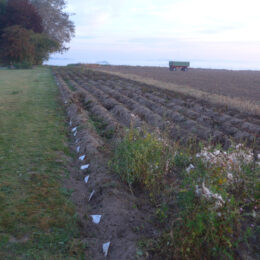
100, 108
120, 102
241, 84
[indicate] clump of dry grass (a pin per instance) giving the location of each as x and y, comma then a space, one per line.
236, 103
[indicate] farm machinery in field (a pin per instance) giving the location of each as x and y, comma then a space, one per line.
182, 65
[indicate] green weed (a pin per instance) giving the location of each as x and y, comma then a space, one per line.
207, 200
101, 127
71, 86
142, 159
214, 213
162, 213
23, 65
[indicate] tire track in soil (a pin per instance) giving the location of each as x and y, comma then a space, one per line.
120, 218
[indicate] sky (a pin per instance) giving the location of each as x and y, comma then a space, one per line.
209, 34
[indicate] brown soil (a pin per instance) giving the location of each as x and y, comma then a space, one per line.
117, 103
122, 222
184, 117
241, 84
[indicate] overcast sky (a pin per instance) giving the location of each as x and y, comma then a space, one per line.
137, 31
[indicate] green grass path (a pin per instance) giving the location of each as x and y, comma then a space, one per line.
37, 220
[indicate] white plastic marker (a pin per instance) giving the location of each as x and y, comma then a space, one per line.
74, 129
106, 248
81, 158
96, 218
84, 167
70, 122
75, 133
78, 148
86, 179
91, 195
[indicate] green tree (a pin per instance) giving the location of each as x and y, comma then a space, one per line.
16, 45
23, 13
56, 22
26, 37
43, 46
3, 4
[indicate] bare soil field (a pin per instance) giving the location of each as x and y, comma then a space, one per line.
100, 108
120, 102
241, 84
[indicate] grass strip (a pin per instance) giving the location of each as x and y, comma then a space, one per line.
37, 219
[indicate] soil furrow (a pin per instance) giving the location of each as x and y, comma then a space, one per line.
120, 219
133, 101
190, 117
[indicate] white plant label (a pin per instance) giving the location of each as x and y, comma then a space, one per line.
96, 218
81, 158
84, 167
106, 248
91, 195
86, 179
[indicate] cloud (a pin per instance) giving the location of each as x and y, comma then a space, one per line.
192, 29
218, 29
98, 19
182, 18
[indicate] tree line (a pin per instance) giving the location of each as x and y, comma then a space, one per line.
30, 30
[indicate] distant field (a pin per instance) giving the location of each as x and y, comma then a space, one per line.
240, 84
